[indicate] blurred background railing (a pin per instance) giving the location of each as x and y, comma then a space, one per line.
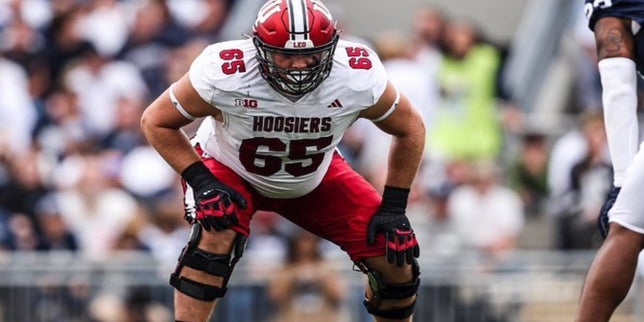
527, 286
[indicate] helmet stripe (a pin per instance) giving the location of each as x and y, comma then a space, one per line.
298, 19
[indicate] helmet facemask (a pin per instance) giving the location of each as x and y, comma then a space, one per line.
295, 81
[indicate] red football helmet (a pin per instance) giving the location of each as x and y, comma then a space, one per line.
295, 27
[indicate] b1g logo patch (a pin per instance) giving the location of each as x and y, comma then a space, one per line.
245, 102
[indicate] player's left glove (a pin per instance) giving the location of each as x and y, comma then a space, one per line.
602, 220
402, 245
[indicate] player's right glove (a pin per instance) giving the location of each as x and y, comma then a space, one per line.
402, 245
602, 220
215, 202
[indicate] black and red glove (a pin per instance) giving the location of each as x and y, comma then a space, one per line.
215, 202
402, 245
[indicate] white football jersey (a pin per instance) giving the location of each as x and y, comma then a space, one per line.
282, 148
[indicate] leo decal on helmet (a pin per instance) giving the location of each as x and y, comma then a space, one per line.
295, 27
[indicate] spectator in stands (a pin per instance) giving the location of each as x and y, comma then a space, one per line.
145, 175
95, 211
579, 173
100, 82
567, 150
64, 43
409, 72
129, 240
125, 134
529, 173
165, 231
466, 122
153, 34
436, 228
105, 24
25, 45
26, 183
22, 234
63, 129
214, 14
307, 288
487, 215
55, 233
17, 111
428, 24
140, 306
267, 250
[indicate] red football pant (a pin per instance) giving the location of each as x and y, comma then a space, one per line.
338, 210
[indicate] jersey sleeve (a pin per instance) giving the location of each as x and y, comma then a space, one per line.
203, 74
221, 67
369, 76
381, 79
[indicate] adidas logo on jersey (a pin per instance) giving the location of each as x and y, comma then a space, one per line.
335, 104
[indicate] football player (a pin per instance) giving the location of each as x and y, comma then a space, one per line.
276, 106
617, 28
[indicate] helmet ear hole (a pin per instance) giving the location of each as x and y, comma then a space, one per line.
294, 28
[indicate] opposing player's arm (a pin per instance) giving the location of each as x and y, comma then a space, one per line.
162, 121
394, 114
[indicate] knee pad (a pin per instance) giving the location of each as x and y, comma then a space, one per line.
381, 290
214, 264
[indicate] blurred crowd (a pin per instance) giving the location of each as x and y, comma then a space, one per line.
492, 180
77, 174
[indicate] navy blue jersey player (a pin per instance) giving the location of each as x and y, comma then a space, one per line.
630, 10
617, 25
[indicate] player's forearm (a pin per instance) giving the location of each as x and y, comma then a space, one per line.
405, 155
172, 145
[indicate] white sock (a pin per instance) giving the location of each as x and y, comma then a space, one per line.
619, 97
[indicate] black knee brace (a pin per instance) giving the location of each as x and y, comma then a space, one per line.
214, 264
391, 291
